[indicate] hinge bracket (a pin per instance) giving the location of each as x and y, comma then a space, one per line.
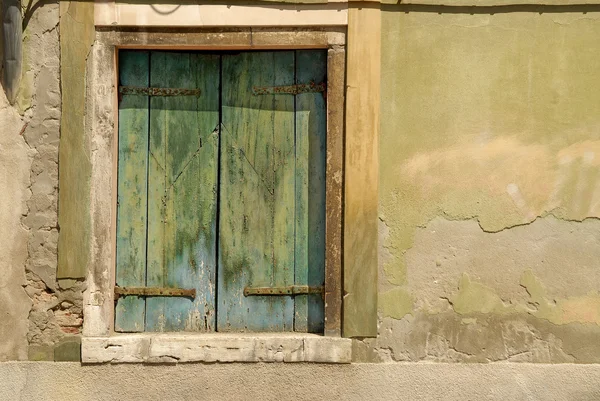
154, 292
289, 89
151, 91
283, 291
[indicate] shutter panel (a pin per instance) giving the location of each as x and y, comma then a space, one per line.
182, 191
311, 128
256, 243
131, 191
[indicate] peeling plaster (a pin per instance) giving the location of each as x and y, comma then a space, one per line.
584, 309
489, 187
474, 297
45, 313
500, 126
396, 303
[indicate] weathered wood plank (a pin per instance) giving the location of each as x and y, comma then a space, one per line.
335, 178
182, 191
311, 127
284, 206
77, 35
361, 174
131, 192
254, 168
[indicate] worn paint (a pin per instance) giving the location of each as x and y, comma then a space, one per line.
488, 198
450, 337
471, 161
583, 309
177, 173
474, 297
15, 304
361, 172
448, 270
182, 191
256, 192
170, 242
310, 146
273, 157
132, 218
336, 57
396, 303
76, 38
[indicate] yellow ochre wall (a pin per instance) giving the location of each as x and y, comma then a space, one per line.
489, 185
472, 183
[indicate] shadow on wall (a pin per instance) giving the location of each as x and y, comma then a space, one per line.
12, 45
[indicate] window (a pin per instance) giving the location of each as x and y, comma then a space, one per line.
102, 341
221, 191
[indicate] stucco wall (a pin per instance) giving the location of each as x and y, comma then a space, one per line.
489, 188
14, 181
39, 313
401, 381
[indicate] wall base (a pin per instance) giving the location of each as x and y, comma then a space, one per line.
418, 381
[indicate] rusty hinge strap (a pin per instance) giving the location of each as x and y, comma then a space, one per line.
287, 290
154, 292
139, 90
289, 89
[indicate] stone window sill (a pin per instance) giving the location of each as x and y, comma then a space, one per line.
215, 347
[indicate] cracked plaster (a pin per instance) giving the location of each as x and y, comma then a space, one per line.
43, 310
488, 214
489, 191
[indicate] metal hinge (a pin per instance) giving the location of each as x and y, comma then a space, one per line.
154, 292
287, 290
289, 89
140, 90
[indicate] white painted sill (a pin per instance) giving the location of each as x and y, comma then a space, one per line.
215, 347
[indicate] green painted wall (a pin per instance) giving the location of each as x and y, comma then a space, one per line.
489, 187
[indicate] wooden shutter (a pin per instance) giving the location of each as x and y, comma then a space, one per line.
256, 243
166, 229
265, 152
311, 128
132, 188
182, 179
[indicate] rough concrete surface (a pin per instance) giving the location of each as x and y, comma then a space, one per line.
515, 382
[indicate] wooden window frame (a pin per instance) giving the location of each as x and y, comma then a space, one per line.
100, 343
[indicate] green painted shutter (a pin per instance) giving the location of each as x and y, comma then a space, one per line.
311, 126
131, 192
182, 177
166, 229
265, 153
256, 192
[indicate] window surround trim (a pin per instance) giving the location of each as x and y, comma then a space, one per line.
100, 344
